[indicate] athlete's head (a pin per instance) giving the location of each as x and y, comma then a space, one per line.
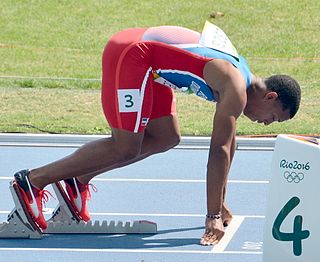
276, 98
288, 90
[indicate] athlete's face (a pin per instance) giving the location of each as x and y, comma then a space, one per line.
267, 110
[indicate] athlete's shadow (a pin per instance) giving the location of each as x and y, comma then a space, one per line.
109, 241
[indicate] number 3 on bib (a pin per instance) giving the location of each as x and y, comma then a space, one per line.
129, 100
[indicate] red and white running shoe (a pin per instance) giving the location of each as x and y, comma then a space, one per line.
79, 194
33, 197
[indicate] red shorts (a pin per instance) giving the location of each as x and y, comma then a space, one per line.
130, 97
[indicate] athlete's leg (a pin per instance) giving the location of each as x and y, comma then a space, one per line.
102, 155
160, 135
124, 144
127, 133
91, 157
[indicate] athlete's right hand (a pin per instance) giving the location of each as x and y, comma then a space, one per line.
214, 232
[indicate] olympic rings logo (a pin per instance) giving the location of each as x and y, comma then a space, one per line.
293, 176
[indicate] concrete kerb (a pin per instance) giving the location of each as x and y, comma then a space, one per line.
69, 140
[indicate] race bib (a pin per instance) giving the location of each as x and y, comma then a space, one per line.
213, 37
129, 100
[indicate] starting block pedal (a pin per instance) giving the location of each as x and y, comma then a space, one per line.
19, 223
64, 220
64, 212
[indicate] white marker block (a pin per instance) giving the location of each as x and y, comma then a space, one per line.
292, 230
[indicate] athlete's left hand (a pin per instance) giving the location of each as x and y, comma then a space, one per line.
214, 232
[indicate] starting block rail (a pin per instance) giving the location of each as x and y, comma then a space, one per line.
65, 221
104, 227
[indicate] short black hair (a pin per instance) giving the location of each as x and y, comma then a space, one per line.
288, 90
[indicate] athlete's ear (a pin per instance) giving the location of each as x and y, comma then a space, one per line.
270, 96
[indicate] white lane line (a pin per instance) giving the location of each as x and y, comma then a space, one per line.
150, 180
230, 231
45, 211
169, 215
248, 181
124, 250
149, 215
50, 210
166, 180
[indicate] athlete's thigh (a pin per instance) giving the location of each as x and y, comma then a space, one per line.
163, 120
127, 82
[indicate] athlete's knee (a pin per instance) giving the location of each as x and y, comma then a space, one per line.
127, 153
168, 143
174, 140
126, 145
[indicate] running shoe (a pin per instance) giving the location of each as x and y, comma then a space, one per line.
32, 197
79, 194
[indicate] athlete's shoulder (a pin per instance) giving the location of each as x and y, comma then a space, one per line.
219, 73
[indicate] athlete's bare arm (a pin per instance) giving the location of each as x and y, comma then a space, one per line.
229, 86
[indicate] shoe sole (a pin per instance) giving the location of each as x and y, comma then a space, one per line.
31, 221
69, 204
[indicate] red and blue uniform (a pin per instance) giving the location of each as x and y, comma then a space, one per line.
139, 65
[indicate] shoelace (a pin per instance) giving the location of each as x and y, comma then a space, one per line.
85, 187
44, 195
94, 189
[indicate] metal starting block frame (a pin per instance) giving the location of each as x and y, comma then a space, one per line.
63, 221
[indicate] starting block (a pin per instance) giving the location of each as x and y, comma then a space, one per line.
64, 220
292, 231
